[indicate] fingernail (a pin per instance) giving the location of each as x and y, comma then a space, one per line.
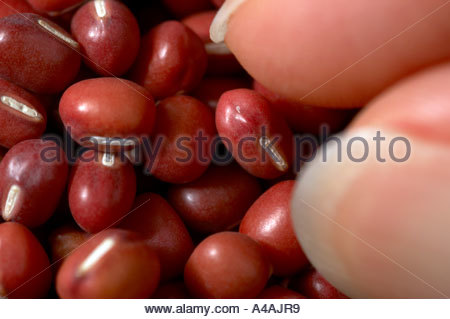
219, 25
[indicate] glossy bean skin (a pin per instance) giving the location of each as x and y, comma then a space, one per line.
279, 292
53, 5
171, 290
227, 265
314, 286
108, 34
216, 201
182, 8
307, 119
113, 264
22, 258
102, 189
211, 89
35, 58
22, 116
9, 7
179, 119
163, 230
248, 122
33, 178
94, 110
268, 222
172, 59
221, 60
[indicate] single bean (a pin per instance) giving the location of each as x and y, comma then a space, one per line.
279, 292
313, 285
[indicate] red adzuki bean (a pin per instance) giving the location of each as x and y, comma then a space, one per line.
22, 116
172, 59
163, 230
53, 5
108, 34
182, 8
37, 54
172, 290
227, 265
260, 138
217, 201
10, 7
217, 3
24, 266
314, 286
278, 292
33, 177
112, 264
268, 222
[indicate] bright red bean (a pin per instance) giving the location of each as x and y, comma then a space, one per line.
269, 223
37, 54
221, 60
113, 264
260, 138
278, 292
314, 286
183, 154
182, 8
108, 34
33, 177
172, 59
211, 89
217, 201
95, 111
101, 190
218, 3
53, 5
306, 119
171, 290
24, 266
22, 116
163, 230
9, 7
227, 265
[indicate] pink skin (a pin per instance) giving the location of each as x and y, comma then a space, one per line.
182, 117
171, 290
53, 5
100, 194
107, 107
314, 286
241, 116
33, 178
227, 265
113, 264
269, 223
172, 59
35, 58
16, 125
216, 201
163, 230
217, 3
182, 8
278, 292
220, 62
24, 265
306, 119
108, 35
9, 7
211, 88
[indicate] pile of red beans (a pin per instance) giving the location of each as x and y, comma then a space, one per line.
116, 77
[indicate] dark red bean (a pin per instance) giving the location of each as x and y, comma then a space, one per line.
101, 190
108, 34
24, 266
182, 8
9, 7
260, 138
172, 59
218, 3
278, 292
22, 116
184, 155
227, 265
33, 177
221, 60
95, 111
112, 264
314, 286
211, 89
269, 223
53, 5
306, 119
2, 153
37, 54
171, 290
217, 201
163, 230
